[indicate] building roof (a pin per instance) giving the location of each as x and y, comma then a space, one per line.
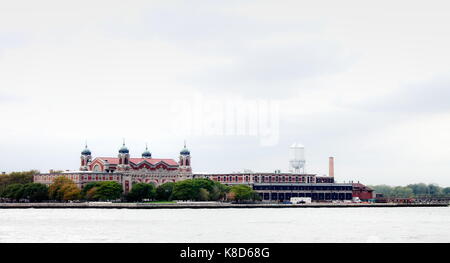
361, 186
154, 161
136, 161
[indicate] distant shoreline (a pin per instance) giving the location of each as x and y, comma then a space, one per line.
200, 205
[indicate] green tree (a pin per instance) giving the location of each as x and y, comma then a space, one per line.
402, 192
219, 191
16, 178
95, 191
91, 194
256, 196
190, 189
242, 193
89, 191
184, 190
419, 189
141, 191
202, 183
13, 191
109, 191
164, 191
386, 190
446, 191
35, 192
203, 194
434, 190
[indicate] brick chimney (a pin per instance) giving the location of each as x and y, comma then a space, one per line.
331, 167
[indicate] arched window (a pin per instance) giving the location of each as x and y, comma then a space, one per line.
97, 168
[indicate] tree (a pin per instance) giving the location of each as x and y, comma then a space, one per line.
63, 188
141, 191
16, 178
256, 196
13, 191
35, 192
89, 191
446, 191
242, 192
202, 183
91, 194
184, 190
402, 192
109, 191
104, 191
386, 190
203, 194
164, 191
231, 196
419, 189
434, 190
219, 191
70, 192
191, 190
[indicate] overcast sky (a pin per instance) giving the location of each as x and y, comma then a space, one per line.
364, 81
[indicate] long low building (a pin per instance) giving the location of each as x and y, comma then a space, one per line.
317, 192
266, 178
282, 186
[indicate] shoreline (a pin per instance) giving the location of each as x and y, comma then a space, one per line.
203, 205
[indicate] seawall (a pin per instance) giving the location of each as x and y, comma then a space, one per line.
195, 205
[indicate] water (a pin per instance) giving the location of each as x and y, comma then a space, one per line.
415, 224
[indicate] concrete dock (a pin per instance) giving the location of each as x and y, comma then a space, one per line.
203, 205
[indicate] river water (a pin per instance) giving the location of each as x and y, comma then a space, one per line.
415, 224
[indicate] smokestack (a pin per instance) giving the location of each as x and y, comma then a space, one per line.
331, 167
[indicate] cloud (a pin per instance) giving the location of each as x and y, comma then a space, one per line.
426, 97
247, 56
271, 72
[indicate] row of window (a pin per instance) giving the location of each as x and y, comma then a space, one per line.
52, 177
300, 187
313, 196
98, 178
268, 179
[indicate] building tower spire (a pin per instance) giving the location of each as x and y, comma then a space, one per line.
185, 159
146, 153
124, 157
85, 158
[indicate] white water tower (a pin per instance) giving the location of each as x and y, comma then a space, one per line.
297, 158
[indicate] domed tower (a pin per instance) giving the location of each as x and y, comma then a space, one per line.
146, 154
185, 159
124, 158
85, 159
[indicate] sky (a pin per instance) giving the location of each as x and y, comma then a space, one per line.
240, 81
